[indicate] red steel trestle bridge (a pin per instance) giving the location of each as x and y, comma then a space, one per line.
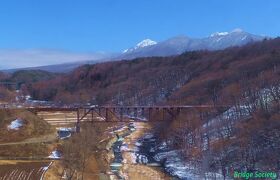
120, 113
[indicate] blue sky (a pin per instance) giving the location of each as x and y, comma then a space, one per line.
85, 26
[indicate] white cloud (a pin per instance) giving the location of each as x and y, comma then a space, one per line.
16, 58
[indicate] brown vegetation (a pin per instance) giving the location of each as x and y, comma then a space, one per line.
246, 79
33, 126
26, 141
85, 155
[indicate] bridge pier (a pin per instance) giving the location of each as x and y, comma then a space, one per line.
150, 113
106, 114
78, 125
92, 115
121, 114
135, 112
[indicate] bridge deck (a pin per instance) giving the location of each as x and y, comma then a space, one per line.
117, 107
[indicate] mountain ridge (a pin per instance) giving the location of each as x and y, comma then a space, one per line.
173, 46
180, 44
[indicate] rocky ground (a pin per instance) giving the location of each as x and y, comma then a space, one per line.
131, 170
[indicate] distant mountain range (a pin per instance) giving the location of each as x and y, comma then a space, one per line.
180, 44
169, 47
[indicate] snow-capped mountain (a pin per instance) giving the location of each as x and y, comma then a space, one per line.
180, 44
169, 47
219, 34
144, 43
237, 37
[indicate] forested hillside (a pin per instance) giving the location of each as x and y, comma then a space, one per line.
22, 79
198, 77
240, 132
246, 80
30, 76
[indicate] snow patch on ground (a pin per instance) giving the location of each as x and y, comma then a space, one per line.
121, 129
116, 164
175, 165
45, 170
117, 130
133, 157
66, 129
231, 113
148, 136
138, 143
137, 125
178, 167
142, 159
124, 147
136, 118
16, 124
55, 155
163, 146
65, 132
121, 139
100, 118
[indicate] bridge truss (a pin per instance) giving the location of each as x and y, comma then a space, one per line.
119, 113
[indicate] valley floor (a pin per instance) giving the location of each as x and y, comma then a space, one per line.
98, 166
134, 171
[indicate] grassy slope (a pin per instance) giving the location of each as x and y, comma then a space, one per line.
33, 127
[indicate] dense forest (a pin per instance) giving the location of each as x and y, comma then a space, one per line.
198, 77
242, 135
22, 79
